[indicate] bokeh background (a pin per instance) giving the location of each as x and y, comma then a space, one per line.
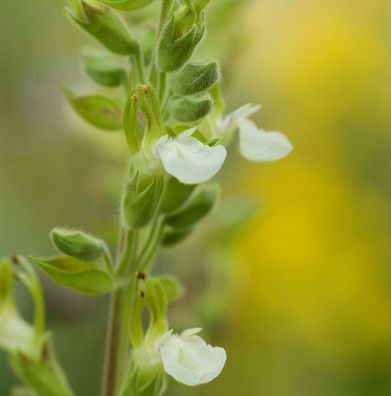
300, 294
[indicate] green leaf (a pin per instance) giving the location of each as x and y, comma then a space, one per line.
104, 25
190, 108
175, 194
99, 111
103, 70
127, 5
195, 78
77, 244
82, 276
199, 206
173, 288
173, 236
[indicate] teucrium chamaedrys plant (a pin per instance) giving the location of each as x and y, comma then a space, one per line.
172, 115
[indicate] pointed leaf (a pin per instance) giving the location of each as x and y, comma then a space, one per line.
82, 276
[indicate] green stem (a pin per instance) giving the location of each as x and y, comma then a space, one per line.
117, 346
137, 66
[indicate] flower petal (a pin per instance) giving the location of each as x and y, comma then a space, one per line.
190, 360
259, 145
189, 160
236, 116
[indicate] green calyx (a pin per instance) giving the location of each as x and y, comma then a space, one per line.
195, 78
141, 197
190, 108
102, 24
175, 47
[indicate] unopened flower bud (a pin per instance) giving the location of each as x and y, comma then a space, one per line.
77, 244
191, 108
102, 24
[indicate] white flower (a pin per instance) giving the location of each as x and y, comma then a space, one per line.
189, 160
232, 119
255, 144
259, 145
189, 359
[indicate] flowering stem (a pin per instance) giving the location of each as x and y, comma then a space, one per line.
117, 344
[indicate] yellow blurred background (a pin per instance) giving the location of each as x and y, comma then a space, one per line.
305, 308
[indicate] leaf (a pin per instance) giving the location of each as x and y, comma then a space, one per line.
104, 70
173, 236
82, 276
199, 206
175, 195
100, 111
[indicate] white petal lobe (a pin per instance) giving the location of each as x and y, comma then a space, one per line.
190, 360
189, 160
261, 146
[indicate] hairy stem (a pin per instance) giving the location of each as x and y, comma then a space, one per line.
117, 344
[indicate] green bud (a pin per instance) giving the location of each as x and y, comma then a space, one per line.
141, 200
195, 78
174, 49
104, 71
191, 108
175, 194
43, 376
200, 205
173, 288
82, 276
104, 25
156, 300
77, 244
131, 126
173, 236
99, 111
126, 5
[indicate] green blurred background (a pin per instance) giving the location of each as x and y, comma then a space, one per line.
300, 296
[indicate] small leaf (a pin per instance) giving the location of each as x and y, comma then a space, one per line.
199, 206
195, 78
191, 108
99, 111
77, 244
173, 236
175, 194
103, 70
82, 276
173, 288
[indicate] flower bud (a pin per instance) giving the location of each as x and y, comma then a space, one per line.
175, 49
191, 108
195, 78
104, 71
102, 24
199, 206
126, 5
141, 199
99, 111
77, 244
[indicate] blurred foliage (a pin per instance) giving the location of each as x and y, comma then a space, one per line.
306, 285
